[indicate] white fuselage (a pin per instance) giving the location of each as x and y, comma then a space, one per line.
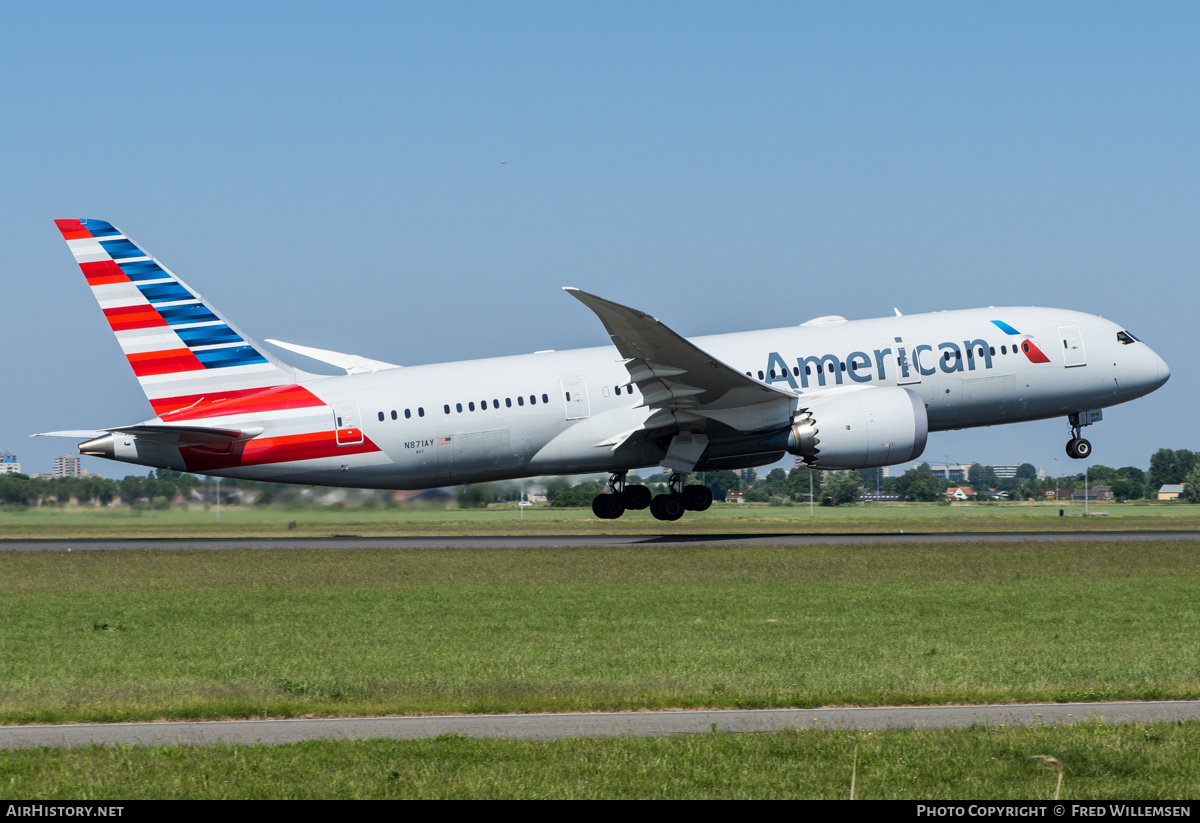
509, 417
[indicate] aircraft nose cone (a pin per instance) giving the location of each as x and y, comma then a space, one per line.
1164, 371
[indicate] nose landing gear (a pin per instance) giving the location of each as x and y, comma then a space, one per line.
1077, 447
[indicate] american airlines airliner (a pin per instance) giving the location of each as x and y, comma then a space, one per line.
839, 394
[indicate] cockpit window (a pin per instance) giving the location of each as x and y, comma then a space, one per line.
1125, 338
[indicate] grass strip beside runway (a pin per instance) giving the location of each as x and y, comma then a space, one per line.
110, 636
1101, 762
504, 519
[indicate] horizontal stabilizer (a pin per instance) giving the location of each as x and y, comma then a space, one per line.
188, 435
76, 433
352, 363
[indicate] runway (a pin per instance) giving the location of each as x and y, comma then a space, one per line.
615, 724
587, 541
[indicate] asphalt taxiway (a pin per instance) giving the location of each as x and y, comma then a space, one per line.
589, 541
602, 724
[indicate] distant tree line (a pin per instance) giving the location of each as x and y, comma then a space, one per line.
163, 487
834, 488
160, 488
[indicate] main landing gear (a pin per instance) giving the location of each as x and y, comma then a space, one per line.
670, 506
1077, 447
619, 497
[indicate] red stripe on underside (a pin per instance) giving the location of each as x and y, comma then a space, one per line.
253, 402
264, 450
164, 362
1033, 352
103, 271
143, 316
166, 405
72, 229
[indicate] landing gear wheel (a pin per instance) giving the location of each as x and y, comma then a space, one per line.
636, 498
697, 498
667, 506
1079, 448
608, 506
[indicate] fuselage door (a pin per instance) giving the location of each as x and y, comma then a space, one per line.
346, 424
908, 369
575, 397
1072, 341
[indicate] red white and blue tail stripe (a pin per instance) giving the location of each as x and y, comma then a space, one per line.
183, 351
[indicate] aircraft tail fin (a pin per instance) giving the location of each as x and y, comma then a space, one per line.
183, 351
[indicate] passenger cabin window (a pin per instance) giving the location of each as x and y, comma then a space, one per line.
508, 402
407, 414
520, 401
760, 375
394, 413
447, 408
459, 407
471, 406
545, 399
420, 411
532, 400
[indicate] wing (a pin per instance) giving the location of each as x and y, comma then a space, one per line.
684, 385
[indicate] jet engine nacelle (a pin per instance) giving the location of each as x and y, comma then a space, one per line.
857, 430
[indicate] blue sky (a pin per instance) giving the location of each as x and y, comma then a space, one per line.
415, 182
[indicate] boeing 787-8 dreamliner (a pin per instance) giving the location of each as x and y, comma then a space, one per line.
840, 394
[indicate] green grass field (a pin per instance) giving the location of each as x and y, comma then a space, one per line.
106, 636
274, 521
1129, 762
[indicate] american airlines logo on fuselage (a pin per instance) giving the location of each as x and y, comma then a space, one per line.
863, 367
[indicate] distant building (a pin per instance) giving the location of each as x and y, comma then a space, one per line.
1005, 472
951, 471
881, 497
9, 464
960, 493
66, 466
1093, 493
1171, 491
735, 496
